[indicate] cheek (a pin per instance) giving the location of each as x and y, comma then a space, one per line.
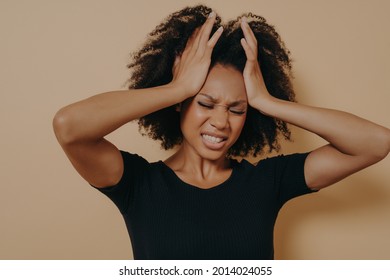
192, 116
239, 121
237, 124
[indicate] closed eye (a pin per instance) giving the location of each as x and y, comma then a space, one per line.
211, 106
237, 112
206, 105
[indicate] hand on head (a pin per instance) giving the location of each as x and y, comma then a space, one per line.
253, 78
191, 68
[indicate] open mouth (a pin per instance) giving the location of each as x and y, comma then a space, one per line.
213, 142
213, 139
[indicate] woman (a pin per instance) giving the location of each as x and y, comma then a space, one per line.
216, 93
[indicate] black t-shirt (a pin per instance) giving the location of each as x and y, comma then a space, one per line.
169, 219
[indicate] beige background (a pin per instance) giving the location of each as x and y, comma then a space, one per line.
53, 53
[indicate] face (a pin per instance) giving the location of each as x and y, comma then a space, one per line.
212, 121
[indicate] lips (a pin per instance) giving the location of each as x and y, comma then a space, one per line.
213, 142
212, 139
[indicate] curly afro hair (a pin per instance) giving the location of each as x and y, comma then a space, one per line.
152, 66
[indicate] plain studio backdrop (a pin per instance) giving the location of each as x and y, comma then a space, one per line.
53, 53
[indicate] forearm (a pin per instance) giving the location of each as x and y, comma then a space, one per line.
95, 117
348, 133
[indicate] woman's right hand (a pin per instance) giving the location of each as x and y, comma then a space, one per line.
191, 68
81, 127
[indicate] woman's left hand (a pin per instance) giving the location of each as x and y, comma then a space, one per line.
254, 83
354, 143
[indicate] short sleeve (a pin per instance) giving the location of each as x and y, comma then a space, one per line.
122, 194
290, 176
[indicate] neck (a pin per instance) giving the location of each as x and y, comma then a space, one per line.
187, 161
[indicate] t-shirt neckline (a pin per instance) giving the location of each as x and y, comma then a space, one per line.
176, 179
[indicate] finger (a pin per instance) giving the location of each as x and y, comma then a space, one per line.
192, 38
247, 29
248, 34
195, 37
250, 54
195, 33
205, 31
189, 44
176, 65
213, 40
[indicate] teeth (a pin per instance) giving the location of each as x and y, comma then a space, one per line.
212, 138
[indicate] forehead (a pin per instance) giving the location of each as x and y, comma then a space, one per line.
224, 82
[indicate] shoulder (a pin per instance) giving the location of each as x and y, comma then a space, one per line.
284, 160
279, 169
139, 168
134, 167
133, 160
274, 161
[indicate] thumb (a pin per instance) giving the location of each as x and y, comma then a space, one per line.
176, 65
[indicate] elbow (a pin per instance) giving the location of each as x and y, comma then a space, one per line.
381, 145
387, 141
62, 126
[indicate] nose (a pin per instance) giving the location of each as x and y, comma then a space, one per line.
219, 117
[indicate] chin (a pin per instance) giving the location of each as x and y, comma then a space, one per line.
212, 155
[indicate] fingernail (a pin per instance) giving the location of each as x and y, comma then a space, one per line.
220, 29
211, 14
244, 19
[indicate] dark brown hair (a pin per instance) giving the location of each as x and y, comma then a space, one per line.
152, 66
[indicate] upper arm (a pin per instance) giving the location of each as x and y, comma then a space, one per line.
97, 160
327, 165
100, 163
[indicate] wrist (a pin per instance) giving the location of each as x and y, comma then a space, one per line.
180, 90
264, 104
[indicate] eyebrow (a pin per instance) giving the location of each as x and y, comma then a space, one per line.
215, 100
